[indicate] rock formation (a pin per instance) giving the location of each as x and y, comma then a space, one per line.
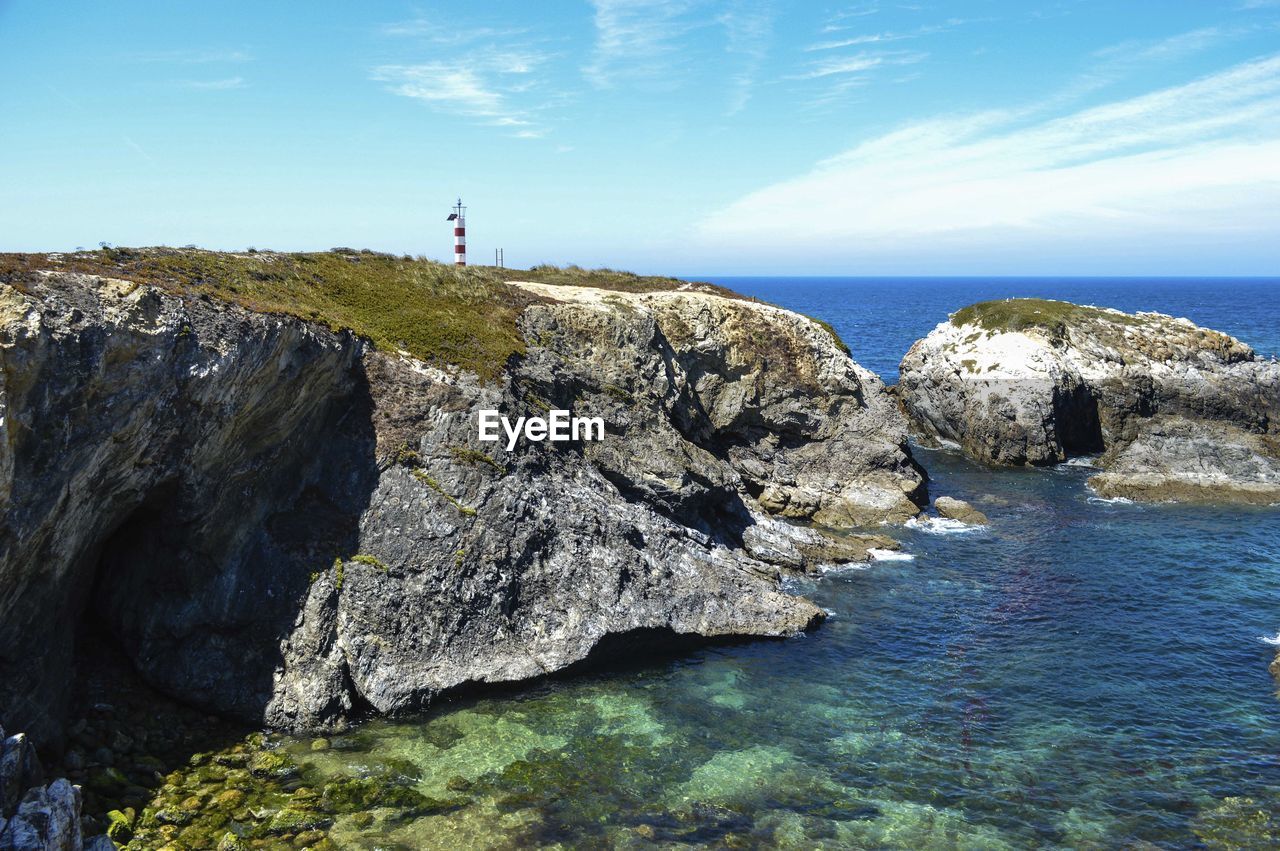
957, 509
35, 816
282, 524
1180, 412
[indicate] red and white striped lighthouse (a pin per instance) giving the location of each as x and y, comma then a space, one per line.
459, 219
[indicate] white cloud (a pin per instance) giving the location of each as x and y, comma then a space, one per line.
449, 32
650, 44
860, 10
877, 38
749, 28
858, 63
483, 88
839, 73
637, 39
445, 84
1198, 157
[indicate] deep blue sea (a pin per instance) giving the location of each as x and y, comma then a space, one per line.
1081, 674
881, 317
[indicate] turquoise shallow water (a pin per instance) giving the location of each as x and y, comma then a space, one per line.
1080, 674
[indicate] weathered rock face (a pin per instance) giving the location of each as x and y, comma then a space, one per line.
1182, 412
285, 526
716, 397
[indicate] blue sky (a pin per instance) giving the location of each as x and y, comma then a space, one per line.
691, 137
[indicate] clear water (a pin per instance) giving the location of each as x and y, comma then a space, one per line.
1080, 674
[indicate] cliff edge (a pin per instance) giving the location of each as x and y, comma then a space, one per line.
291, 523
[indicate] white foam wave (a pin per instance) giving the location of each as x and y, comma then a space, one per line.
1274, 641
1090, 461
841, 569
941, 525
1111, 500
878, 554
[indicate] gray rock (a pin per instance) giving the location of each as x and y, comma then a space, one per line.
48, 819
1177, 459
280, 524
958, 509
1181, 412
19, 770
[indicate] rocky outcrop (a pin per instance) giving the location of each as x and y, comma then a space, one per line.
959, 510
1180, 412
281, 524
745, 396
35, 816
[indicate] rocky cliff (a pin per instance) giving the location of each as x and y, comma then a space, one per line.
288, 525
1178, 411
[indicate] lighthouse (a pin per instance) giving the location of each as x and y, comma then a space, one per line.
459, 219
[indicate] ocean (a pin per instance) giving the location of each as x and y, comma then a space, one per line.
1082, 673
881, 317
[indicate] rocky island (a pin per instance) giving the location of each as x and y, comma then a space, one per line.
259, 475
1175, 411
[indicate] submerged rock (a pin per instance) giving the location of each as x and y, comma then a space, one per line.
281, 524
1181, 412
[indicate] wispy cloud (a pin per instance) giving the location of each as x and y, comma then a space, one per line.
839, 76
483, 88
447, 32
749, 28
836, 21
198, 57
841, 72
1177, 46
138, 149
492, 75
859, 63
877, 38
220, 85
1185, 159
638, 40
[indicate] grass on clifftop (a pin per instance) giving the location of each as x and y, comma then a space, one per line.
1019, 314
436, 312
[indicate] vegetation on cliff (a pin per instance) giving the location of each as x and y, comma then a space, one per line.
1019, 314
442, 314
